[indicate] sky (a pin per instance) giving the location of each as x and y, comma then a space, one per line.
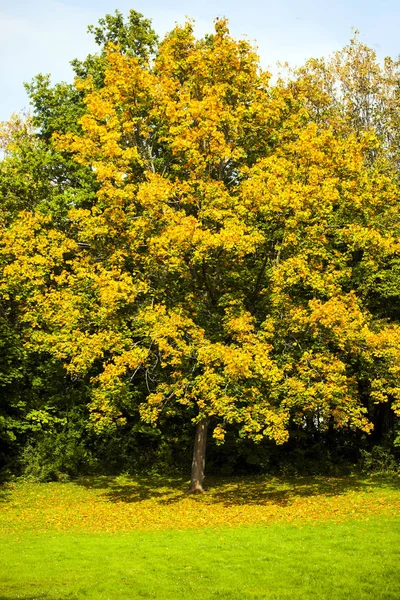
43, 36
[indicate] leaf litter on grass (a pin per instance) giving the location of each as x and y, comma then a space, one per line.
123, 504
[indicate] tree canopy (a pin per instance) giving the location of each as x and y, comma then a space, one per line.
185, 239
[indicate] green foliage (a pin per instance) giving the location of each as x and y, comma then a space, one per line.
56, 455
379, 460
135, 36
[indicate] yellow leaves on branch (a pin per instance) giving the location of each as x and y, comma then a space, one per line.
201, 100
220, 254
33, 250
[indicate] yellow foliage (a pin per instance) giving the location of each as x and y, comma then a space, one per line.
218, 260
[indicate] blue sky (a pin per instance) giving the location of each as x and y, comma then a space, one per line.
43, 36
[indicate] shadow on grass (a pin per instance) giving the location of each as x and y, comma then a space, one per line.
233, 491
5, 496
36, 597
137, 488
283, 491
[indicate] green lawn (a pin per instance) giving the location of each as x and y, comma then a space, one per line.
329, 557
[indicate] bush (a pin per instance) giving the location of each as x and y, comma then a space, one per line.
56, 456
378, 460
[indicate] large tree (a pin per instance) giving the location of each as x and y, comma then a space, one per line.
224, 261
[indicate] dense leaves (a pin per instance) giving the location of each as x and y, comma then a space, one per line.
196, 244
126, 504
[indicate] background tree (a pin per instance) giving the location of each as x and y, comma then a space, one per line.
355, 92
36, 176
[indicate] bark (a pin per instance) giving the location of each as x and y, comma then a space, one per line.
199, 458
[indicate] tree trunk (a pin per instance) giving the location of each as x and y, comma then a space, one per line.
199, 458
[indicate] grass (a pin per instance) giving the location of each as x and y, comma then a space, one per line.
125, 538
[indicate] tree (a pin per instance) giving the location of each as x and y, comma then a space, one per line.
222, 263
35, 176
352, 91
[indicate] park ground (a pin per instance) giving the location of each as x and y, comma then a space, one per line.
250, 538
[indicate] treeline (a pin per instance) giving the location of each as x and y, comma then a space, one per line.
190, 252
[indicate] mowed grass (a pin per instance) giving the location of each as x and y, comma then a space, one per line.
128, 538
